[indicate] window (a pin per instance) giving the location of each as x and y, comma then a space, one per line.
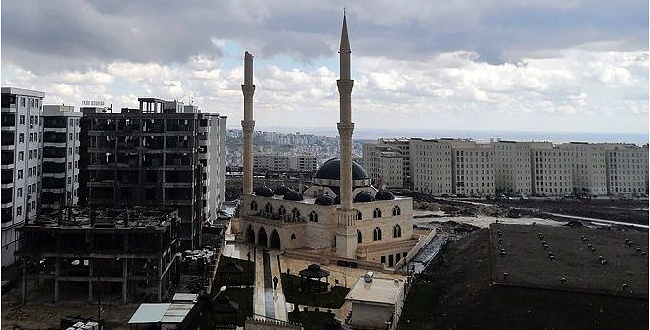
253, 206
29, 189
268, 208
313, 216
31, 120
69, 165
19, 192
21, 155
19, 210
69, 180
397, 231
35, 136
295, 213
282, 210
30, 155
22, 102
31, 137
70, 151
70, 136
396, 211
376, 213
20, 174
376, 234
359, 237
359, 215
21, 138
22, 119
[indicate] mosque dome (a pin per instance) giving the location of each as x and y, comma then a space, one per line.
324, 200
331, 170
292, 195
384, 195
363, 197
281, 190
264, 191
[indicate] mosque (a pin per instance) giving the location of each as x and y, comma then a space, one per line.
341, 215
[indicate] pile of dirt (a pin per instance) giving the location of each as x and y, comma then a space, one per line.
456, 292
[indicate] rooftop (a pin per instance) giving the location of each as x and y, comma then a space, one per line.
379, 290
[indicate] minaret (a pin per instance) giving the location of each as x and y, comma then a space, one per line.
346, 233
345, 126
248, 124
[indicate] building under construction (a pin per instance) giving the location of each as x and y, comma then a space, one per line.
117, 255
163, 153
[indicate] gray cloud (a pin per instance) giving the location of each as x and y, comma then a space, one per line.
46, 36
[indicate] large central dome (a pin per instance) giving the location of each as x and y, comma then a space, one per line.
331, 170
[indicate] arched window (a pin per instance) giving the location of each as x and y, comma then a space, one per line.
253, 206
282, 210
376, 234
359, 215
295, 212
397, 231
293, 236
376, 213
268, 208
359, 237
313, 216
396, 210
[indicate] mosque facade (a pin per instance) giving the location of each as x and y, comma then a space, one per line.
341, 215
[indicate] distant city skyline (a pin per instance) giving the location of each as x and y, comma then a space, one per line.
493, 66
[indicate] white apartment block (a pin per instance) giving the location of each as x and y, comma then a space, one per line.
60, 181
403, 147
552, 170
384, 165
589, 168
303, 163
627, 168
430, 161
472, 168
21, 163
270, 162
212, 156
512, 167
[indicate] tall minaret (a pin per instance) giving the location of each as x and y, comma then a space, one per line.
345, 125
346, 233
248, 124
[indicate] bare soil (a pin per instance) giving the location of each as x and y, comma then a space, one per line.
456, 292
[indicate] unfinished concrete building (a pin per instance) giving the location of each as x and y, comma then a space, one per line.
161, 154
114, 255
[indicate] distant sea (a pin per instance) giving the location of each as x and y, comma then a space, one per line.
555, 137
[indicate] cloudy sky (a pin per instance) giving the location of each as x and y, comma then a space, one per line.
522, 65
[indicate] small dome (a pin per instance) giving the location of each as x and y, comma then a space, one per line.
292, 195
384, 195
281, 190
324, 200
363, 197
264, 191
331, 170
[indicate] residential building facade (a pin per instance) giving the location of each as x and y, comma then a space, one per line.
21, 163
61, 129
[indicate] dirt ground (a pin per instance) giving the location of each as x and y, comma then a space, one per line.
456, 292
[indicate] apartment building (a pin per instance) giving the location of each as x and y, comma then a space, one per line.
384, 165
161, 154
284, 163
589, 173
21, 163
430, 161
512, 167
303, 163
402, 146
60, 181
472, 168
552, 169
627, 169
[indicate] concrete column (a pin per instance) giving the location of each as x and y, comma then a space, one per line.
57, 273
124, 280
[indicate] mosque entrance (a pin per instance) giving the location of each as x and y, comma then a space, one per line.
262, 239
250, 234
275, 240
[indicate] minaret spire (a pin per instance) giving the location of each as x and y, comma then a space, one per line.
248, 124
346, 243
